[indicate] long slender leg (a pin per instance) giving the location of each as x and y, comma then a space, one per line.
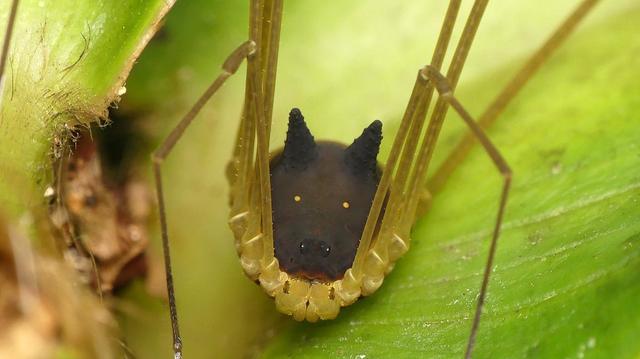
6, 44
229, 67
428, 144
446, 93
265, 21
406, 183
23, 262
407, 135
440, 110
511, 90
373, 257
270, 56
251, 217
260, 29
7, 37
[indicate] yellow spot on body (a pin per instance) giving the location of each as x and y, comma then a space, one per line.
297, 198
345, 204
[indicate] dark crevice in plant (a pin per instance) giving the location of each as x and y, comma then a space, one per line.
100, 204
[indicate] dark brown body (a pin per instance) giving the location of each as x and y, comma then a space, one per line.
321, 202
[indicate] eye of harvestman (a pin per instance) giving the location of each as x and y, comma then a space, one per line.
304, 247
325, 249
307, 245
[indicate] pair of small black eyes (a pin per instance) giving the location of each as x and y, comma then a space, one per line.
306, 247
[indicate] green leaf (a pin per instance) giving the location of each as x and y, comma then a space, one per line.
565, 278
68, 62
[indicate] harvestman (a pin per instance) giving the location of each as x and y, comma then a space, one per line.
308, 290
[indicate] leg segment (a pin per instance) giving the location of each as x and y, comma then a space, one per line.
511, 90
7, 36
248, 172
394, 241
408, 135
7, 42
403, 190
378, 251
229, 67
446, 93
23, 262
439, 113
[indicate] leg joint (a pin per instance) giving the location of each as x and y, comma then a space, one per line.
441, 83
233, 62
156, 159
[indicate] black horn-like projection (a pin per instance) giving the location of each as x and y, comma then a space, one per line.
362, 155
299, 147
